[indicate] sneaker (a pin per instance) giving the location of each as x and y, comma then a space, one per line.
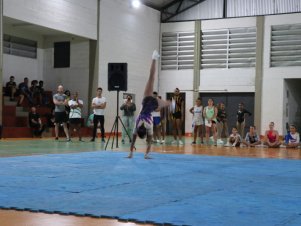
92, 140
162, 141
122, 141
220, 142
68, 139
181, 142
193, 142
155, 55
282, 146
56, 138
80, 139
174, 142
158, 141
103, 140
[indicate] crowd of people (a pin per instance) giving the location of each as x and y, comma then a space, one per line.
209, 123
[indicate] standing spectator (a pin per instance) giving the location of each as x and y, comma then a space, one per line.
75, 115
11, 88
222, 124
241, 121
99, 104
252, 139
177, 116
67, 107
198, 120
35, 123
272, 137
292, 139
156, 122
128, 118
163, 116
24, 92
60, 101
210, 113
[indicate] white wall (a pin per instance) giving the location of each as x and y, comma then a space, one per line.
273, 108
75, 78
230, 80
21, 67
182, 79
126, 35
76, 17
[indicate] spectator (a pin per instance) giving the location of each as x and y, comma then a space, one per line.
272, 137
177, 116
210, 113
128, 118
35, 123
24, 91
241, 121
198, 121
222, 125
234, 138
292, 139
252, 138
75, 114
11, 88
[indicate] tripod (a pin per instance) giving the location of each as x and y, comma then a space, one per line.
115, 127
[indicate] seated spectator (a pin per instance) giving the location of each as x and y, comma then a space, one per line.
11, 88
24, 91
271, 138
234, 138
35, 92
252, 138
35, 123
42, 96
292, 139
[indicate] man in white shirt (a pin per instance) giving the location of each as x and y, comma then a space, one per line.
75, 115
99, 104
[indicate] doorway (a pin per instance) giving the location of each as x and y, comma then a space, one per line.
231, 101
292, 100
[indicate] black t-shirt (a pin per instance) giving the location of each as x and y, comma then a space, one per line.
241, 115
33, 116
221, 115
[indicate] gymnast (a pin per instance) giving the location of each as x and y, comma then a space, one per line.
144, 122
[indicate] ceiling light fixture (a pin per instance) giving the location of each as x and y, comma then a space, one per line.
136, 4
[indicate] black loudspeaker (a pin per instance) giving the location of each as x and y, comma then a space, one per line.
117, 76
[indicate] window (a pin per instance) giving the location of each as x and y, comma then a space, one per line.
19, 46
228, 48
177, 51
286, 45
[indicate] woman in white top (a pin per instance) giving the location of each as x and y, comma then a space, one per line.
197, 121
75, 115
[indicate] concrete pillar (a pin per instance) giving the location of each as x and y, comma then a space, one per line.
259, 72
197, 61
94, 62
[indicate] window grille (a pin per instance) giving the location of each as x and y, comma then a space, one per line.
19, 46
228, 48
177, 51
285, 45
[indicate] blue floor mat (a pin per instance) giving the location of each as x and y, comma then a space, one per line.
174, 189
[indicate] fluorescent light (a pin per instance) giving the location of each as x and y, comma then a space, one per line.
136, 3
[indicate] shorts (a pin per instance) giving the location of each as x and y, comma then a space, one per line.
157, 120
177, 115
197, 122
60, 117
75, 121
